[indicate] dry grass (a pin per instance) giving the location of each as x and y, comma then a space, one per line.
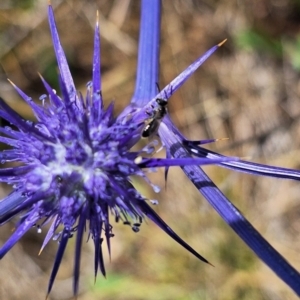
247, 91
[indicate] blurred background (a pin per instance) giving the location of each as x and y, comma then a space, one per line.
248, 92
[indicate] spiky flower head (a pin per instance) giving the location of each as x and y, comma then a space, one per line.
75, 163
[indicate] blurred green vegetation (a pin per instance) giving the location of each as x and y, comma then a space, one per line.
254, 40
24, 4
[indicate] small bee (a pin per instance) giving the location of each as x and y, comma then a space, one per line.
152, 127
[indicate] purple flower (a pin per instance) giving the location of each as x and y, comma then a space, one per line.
75, 163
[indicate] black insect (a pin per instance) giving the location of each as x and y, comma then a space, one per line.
156, 116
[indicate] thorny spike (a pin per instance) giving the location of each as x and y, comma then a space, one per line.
222, 43
151, 214
58, 258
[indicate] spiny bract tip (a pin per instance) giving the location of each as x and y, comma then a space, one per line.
223, 42
10, 82
222, 139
